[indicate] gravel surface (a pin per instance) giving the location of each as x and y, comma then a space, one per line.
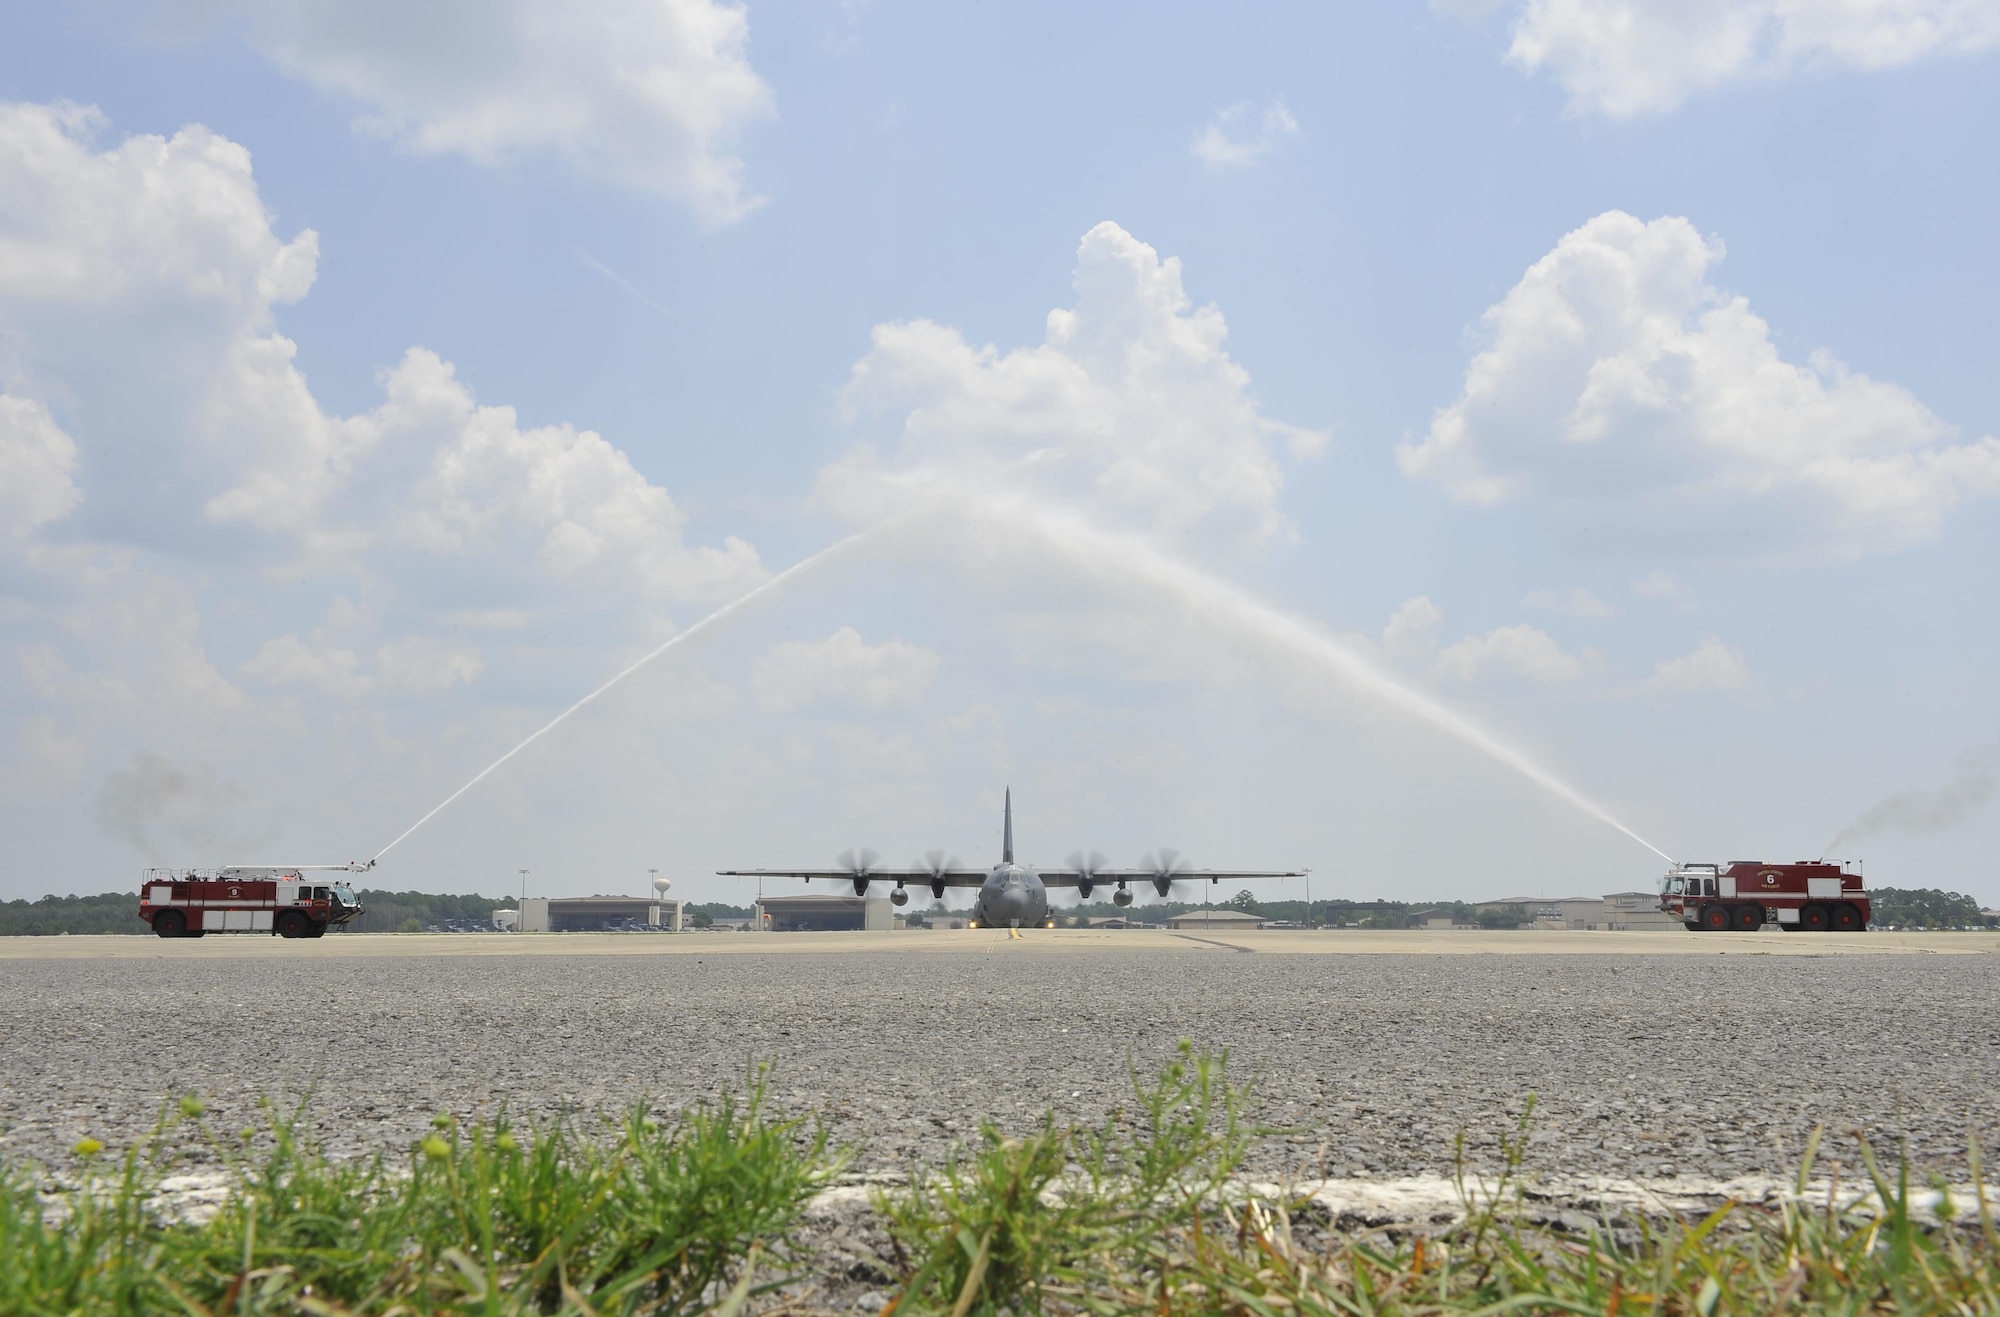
1642, 1066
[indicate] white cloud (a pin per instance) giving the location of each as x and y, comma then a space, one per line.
1412, 629
1520, 651
142, 368
1570, 603
1661, 584
797, 673
652, 94
1130, 404
1713, 666
1622, 385
1627, 57
36, 459
141, 283
152, 222
290, 661
1243, 134
415, 665
554, 501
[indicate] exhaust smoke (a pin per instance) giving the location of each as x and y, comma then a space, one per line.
1925, 813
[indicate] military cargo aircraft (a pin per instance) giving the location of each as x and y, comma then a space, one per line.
1014, 895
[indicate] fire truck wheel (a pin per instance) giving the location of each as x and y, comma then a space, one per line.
1748, 918
318, 930
170, 923
1812, 919
293, 923
1715, 918
1846, 919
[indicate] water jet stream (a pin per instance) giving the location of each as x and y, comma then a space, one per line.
796, 569
1141, 562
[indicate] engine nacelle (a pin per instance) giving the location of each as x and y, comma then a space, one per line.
1121, 897
860, 885
1084, 887
899, 897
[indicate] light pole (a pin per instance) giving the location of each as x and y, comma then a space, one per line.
1309, 898
521, 912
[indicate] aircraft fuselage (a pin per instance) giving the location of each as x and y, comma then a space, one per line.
1012, 897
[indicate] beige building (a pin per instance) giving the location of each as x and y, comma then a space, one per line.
815, 914
1217, 920
1636, 910
1552, 911
590, 914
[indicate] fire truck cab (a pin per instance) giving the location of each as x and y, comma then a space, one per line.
284, 902
1808, 896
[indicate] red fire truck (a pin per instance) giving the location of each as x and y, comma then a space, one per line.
1809, 896
276, 900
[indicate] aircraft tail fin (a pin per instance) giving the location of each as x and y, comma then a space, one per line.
1007, 831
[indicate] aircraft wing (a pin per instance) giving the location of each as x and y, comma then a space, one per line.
914, 877
1099, 877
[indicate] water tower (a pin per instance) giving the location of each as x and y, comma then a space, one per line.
661, 917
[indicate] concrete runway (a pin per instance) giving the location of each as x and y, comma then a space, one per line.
1661, 1057
1283, 942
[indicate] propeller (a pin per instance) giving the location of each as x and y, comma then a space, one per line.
1166, 867
859, 864
936, 863
1087, 865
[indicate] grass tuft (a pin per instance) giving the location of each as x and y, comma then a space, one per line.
484, 1219
1145, 1213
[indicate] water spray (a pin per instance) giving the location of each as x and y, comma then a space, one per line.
795, 570
1136, 559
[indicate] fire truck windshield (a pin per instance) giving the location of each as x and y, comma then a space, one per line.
345, 895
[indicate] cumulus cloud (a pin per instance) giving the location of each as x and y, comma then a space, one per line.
842, 668
651, 94
1519, 651
36, 459
1571, 603
1130, 404
1243, 134
1713, 666
147, 399
1412, 629
1661, 584
171, 236
1620, 384
554, 501
416, 665
1628, 57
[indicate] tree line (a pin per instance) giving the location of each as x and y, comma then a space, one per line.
415, 912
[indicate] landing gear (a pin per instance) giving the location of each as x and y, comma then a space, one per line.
171, 923
1845, 919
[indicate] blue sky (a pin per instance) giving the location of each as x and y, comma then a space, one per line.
1616, 376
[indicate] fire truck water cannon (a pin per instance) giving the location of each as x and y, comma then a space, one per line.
1807, 896
278, 899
